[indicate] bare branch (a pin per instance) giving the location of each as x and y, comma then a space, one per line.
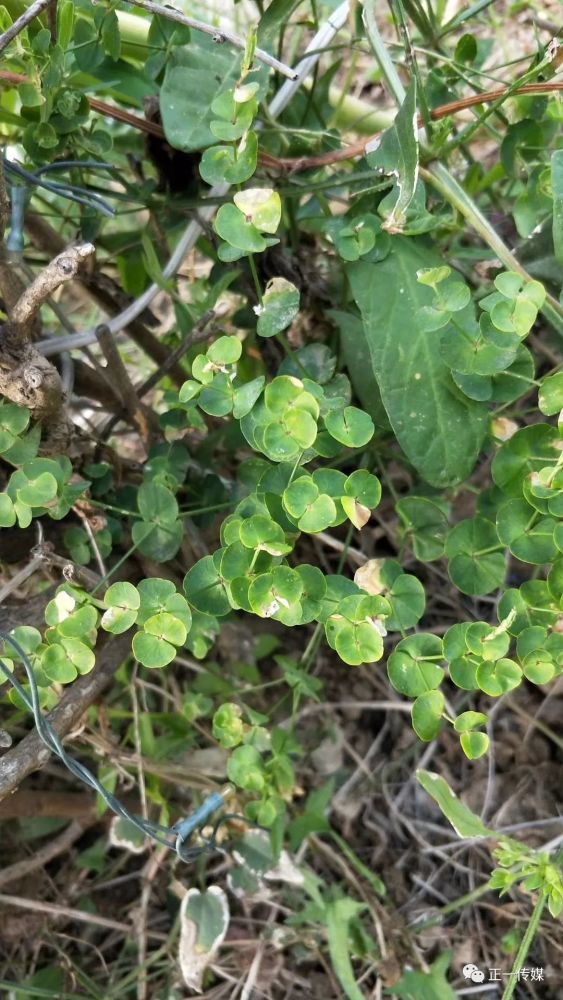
63, 268
218, 35
22, 22
29, 379
141, 416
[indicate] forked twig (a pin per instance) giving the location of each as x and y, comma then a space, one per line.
63, 268
219, 35
22, 22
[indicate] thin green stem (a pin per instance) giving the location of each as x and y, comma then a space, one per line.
440, 178
525, 946
256, 280
381, 53
456, 904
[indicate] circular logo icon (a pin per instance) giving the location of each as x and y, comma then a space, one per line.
469, 970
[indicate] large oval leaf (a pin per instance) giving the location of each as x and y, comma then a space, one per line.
439, 430
195, 75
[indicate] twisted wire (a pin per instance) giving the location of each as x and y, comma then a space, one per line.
174, 837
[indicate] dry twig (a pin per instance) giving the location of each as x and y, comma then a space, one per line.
219, 35
22, 22
26, 377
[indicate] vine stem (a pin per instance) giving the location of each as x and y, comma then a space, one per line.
440, 178
525, 945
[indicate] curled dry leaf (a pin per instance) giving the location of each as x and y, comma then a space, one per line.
204, 920
368, 577
503, 428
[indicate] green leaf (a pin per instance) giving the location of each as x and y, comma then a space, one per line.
426, 525
261, 207
157, 541
78, 624
152, 651
527, 451
154, 594
350, 426
318, 515
474, 745
338, 915
224, 163
65, 19
217, 398
407, 598
13, 421
465, 823
468, 721
440, 431
396, 154
353, 238
550, 395
246, 396
157, 504
314, 590
57, 665
38, 492
279, 307
228, 727
122, 601
195, 75
411, 668
245, 769
486, 642
110, 35
364, 487
7, 512
231, 225
427, 715
528, 536
473, 567
205, 589
86, 48
261, 532
124, 834
225, 351
355, 642
167, 627
432, 985
276, 595
79, 654
498, 678
539, 667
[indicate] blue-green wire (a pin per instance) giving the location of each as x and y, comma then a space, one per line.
173, 837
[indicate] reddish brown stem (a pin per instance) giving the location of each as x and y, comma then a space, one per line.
296, 165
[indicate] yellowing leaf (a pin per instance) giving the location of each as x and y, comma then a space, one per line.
204, 919
261, 206
356, 512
